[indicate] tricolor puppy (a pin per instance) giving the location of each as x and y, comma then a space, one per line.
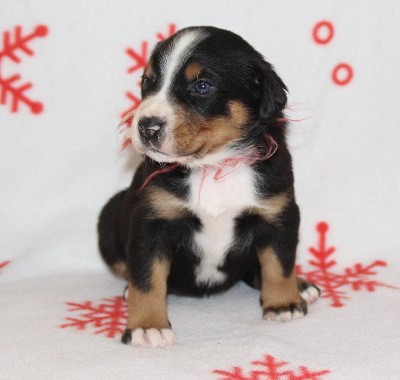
213, 202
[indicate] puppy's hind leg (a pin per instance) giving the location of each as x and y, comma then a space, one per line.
109, 242
308, 291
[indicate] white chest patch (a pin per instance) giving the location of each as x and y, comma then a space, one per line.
217, 202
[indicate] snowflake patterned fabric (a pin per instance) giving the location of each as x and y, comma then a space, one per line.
108, 317
14, 44
359, 277
139, 58
70, 70
3, 264
270, 368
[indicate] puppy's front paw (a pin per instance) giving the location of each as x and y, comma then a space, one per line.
149, 338
284, 313
308, 291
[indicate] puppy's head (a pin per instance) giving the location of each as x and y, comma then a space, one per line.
203, 91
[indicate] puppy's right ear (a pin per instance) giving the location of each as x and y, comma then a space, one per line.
272, 91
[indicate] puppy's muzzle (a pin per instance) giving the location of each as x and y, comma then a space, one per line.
151, 129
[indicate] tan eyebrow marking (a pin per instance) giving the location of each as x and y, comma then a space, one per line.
193, 71
148, 71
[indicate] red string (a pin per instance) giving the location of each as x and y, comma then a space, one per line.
248, 159
127, 142
166, 169
124, 124
230, 162
285, 120
127, 119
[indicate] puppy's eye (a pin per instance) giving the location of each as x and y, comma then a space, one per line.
145, 81
202, 87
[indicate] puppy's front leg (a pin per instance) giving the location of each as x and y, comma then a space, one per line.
280, 297
148, 323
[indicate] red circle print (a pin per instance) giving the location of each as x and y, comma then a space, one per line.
323, 32
342, 74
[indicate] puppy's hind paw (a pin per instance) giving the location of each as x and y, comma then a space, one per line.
149, 338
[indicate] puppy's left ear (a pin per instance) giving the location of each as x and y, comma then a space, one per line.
272, 91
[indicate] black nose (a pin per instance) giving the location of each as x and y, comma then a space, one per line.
150, 128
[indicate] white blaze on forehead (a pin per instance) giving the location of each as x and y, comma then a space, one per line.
177, 56
173, 59
158, 104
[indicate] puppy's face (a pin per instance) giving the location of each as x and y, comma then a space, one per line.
203, 91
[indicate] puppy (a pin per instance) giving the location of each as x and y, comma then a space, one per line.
213, 201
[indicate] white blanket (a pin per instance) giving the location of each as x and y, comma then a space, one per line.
60, 309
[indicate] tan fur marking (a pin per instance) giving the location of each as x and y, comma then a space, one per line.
276, 290
166, 205
149, 309
148, 71
193, 71
120, 269
272, 207
195, 133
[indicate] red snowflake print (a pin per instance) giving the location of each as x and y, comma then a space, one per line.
139, 58
333, 285
3, 264
270, 369
107, 317
12, 89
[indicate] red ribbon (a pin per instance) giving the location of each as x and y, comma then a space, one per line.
165, 169
231, 163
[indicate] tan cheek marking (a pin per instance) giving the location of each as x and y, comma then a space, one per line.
149, 309
271, 208
276, 289
192, 131
239, 112
192, 71
166, 205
